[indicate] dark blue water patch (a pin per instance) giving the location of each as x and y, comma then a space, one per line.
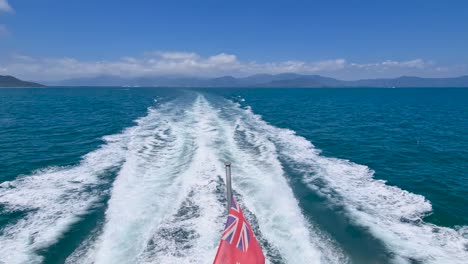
90, 223
9, 217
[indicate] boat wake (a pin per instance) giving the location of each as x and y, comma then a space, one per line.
162, 185
392, 215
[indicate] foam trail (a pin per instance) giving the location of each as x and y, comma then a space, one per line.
53, 199
191, 233
148, 188
167, 205
391, 214
264, 191
165, 169
261, 180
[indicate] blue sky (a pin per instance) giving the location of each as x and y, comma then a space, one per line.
58, 39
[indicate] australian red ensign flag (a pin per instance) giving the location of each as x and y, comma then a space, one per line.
238, 243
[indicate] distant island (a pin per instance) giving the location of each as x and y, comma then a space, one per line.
284, 80
12, 82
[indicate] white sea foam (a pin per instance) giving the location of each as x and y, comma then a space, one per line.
261, 180
54, 198
165, 203
391, 214
147, 189
165, 167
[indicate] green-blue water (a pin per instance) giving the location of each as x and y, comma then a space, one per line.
324, 175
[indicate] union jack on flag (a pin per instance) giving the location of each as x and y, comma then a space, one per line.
238, 243
236, 229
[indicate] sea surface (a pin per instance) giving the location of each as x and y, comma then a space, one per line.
117, 175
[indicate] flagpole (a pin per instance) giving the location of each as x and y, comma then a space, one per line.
228, 184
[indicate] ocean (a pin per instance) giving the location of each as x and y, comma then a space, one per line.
136, 175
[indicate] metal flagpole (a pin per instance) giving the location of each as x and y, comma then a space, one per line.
228, 184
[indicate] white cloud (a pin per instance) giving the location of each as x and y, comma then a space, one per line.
388, 64
192, 64
174, 55
223, 58
5, 6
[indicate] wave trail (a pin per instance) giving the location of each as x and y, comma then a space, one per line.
167, 202
55, 198
392, 215
162, 167
262, 182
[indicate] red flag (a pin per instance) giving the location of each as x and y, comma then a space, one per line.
238, 243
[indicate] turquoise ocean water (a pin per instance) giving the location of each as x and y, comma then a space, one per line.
117, 175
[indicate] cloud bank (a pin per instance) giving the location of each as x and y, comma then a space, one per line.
161, 63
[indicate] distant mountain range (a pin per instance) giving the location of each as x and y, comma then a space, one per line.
286, 80
12, 82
